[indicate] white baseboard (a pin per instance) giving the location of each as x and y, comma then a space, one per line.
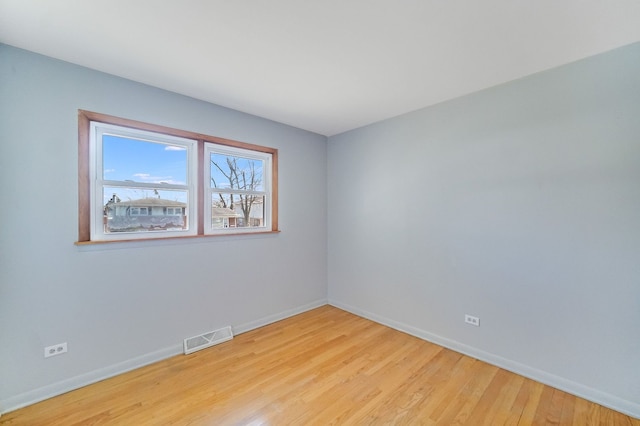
243, 328
58, 388
64, 386
629, 408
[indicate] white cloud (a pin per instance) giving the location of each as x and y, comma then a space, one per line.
174, 148
147, 178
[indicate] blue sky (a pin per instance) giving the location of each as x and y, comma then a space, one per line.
221, 181
143, 161
135, 160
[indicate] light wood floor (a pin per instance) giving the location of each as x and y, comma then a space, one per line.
322, 367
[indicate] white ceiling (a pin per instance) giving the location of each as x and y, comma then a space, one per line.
326, 65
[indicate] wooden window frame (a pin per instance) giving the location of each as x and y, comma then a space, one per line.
84, 176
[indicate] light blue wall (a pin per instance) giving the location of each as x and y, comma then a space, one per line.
121, 305
519, 204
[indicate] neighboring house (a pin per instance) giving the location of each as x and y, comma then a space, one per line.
147, 214
144, 214
256, 215
222, 217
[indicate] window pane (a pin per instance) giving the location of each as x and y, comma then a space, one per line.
127, 159
231, 172
144, 210
237, 210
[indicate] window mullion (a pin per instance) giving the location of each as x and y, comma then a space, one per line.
237, 191
200, 187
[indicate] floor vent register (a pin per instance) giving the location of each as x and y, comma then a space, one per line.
206, 340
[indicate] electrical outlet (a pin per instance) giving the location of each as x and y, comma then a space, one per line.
54, 350
469, 319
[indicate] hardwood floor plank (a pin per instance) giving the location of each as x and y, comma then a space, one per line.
542, 410
566, 416
460, 376
532, 402
504, 402
555, 407
322, 367
465, 401
401, 390
486, 406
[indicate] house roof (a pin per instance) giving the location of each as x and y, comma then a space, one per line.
223, 212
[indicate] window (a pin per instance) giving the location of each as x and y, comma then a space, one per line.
237, 194
142, 181
136, 175
135, 211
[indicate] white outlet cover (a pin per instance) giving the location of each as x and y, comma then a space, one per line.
54, 350
470, 319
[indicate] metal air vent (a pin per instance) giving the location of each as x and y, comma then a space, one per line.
205, 340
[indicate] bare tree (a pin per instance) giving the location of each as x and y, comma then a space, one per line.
245, 179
